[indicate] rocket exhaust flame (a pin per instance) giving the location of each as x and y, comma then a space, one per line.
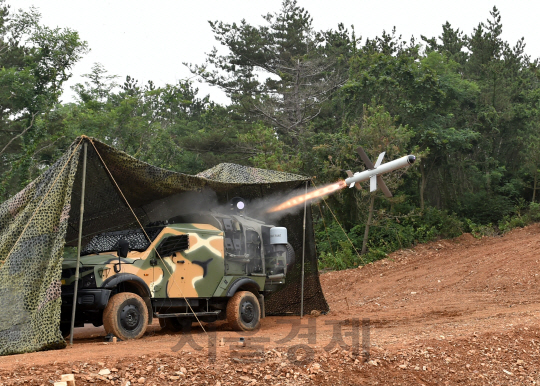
300, 199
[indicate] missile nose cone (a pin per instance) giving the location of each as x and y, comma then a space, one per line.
411, 159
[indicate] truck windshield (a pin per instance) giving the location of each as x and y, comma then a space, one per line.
108, 241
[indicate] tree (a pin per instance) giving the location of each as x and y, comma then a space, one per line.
35, 61
169, 126
426, 93
504, 78
267, 151
531, 153
452, 44
378, 133
281, 72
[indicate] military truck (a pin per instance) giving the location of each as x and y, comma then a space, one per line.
202, 267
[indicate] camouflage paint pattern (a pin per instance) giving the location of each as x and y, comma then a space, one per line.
227, 281
195, 272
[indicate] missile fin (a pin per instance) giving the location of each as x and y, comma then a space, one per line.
351, 185
349, 173
364, 157
358, 186
379, 160
372, 183
383, 187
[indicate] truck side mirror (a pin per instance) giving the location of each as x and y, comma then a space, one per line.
123, 248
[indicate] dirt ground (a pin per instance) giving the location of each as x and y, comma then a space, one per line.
463, 311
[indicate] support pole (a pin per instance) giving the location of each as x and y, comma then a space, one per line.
78, 247
303, 258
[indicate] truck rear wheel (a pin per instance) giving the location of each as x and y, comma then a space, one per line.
126, 316
243, 311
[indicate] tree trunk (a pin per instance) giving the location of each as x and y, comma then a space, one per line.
535, 183
366, 232
422, 185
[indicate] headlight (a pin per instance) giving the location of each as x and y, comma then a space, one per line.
89, 281
87, 277
238, 204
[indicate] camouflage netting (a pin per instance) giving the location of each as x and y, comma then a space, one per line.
32, 233
31, 247
138, 240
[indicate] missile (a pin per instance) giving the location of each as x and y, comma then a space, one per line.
373, 172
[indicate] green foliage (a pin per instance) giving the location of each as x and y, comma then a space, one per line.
534, 211
268, 151
523, 215
167, 126
483, 207
280, 73
387, 234
480, 230
343, 258
510, 222
35, 62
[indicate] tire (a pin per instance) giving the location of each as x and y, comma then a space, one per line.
290, 257
175, 324
126, 316
243, 311
290, 254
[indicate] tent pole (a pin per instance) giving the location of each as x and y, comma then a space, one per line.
303, 258
78, 247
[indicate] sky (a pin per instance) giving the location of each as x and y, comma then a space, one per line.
151, 40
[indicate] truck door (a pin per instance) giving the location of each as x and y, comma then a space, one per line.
169, 269
200, 268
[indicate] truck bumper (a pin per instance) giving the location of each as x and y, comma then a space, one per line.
87, 299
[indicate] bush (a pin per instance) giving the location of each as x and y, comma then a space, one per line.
479, 230
386, 235
510, 222
524, 216
534, 211
485, 208
345, 257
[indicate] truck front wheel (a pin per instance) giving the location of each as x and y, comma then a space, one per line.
126, 316
243, 311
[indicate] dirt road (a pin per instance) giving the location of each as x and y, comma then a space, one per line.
462, 311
